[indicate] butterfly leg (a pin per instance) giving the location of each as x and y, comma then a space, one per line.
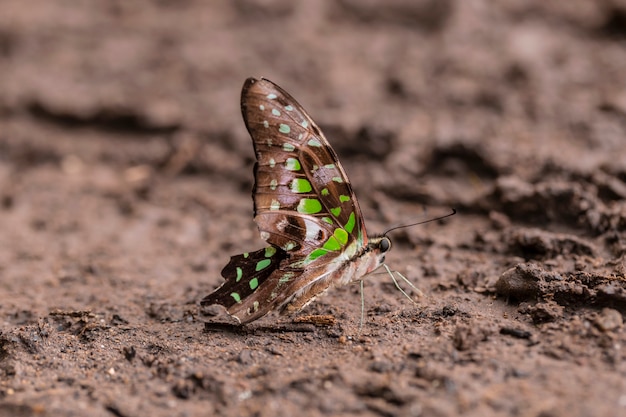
362, 285
405, 279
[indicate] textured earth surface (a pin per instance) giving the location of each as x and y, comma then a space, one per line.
125, 178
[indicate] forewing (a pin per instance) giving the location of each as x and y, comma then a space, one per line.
300, 183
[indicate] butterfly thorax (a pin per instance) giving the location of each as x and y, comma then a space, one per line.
369, 257
349, 267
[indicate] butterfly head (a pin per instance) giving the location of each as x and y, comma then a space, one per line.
379, 245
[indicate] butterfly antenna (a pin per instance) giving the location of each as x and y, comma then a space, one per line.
422, 222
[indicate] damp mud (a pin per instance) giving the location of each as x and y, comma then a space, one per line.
125, 181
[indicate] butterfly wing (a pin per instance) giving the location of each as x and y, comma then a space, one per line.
304, 207
244, 274
301, 190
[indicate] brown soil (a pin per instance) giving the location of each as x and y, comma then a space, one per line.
125, 178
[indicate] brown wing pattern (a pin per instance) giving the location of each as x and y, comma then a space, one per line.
244, 274
299, 180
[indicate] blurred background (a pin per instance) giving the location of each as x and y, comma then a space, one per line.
126, 169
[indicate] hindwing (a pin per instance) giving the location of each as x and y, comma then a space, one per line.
244, 274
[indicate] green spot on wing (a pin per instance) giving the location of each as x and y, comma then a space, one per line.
344, 198
309, 206
289, 107
236, 296
283, 128
341, 236
271, 96
314, 142
336, 211
288, 147
304, 124
239, 274
264, 263
246, 254
327, 220
325, 191
337, 179
270, 251
292, 164
300, 185
351, 223
317, 253
332, 244
275, 112
254, 283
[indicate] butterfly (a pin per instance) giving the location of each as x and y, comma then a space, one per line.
305, 209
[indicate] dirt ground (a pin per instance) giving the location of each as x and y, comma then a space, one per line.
125, 178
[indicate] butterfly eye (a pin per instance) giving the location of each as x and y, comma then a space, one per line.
385, 244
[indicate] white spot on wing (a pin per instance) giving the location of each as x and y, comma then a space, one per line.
282, 224
312, 231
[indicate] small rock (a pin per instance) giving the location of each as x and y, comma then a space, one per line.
245, 357
544, 312
467, 337
521, 282
609, 319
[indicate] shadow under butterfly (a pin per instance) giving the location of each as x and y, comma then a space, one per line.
305, 210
